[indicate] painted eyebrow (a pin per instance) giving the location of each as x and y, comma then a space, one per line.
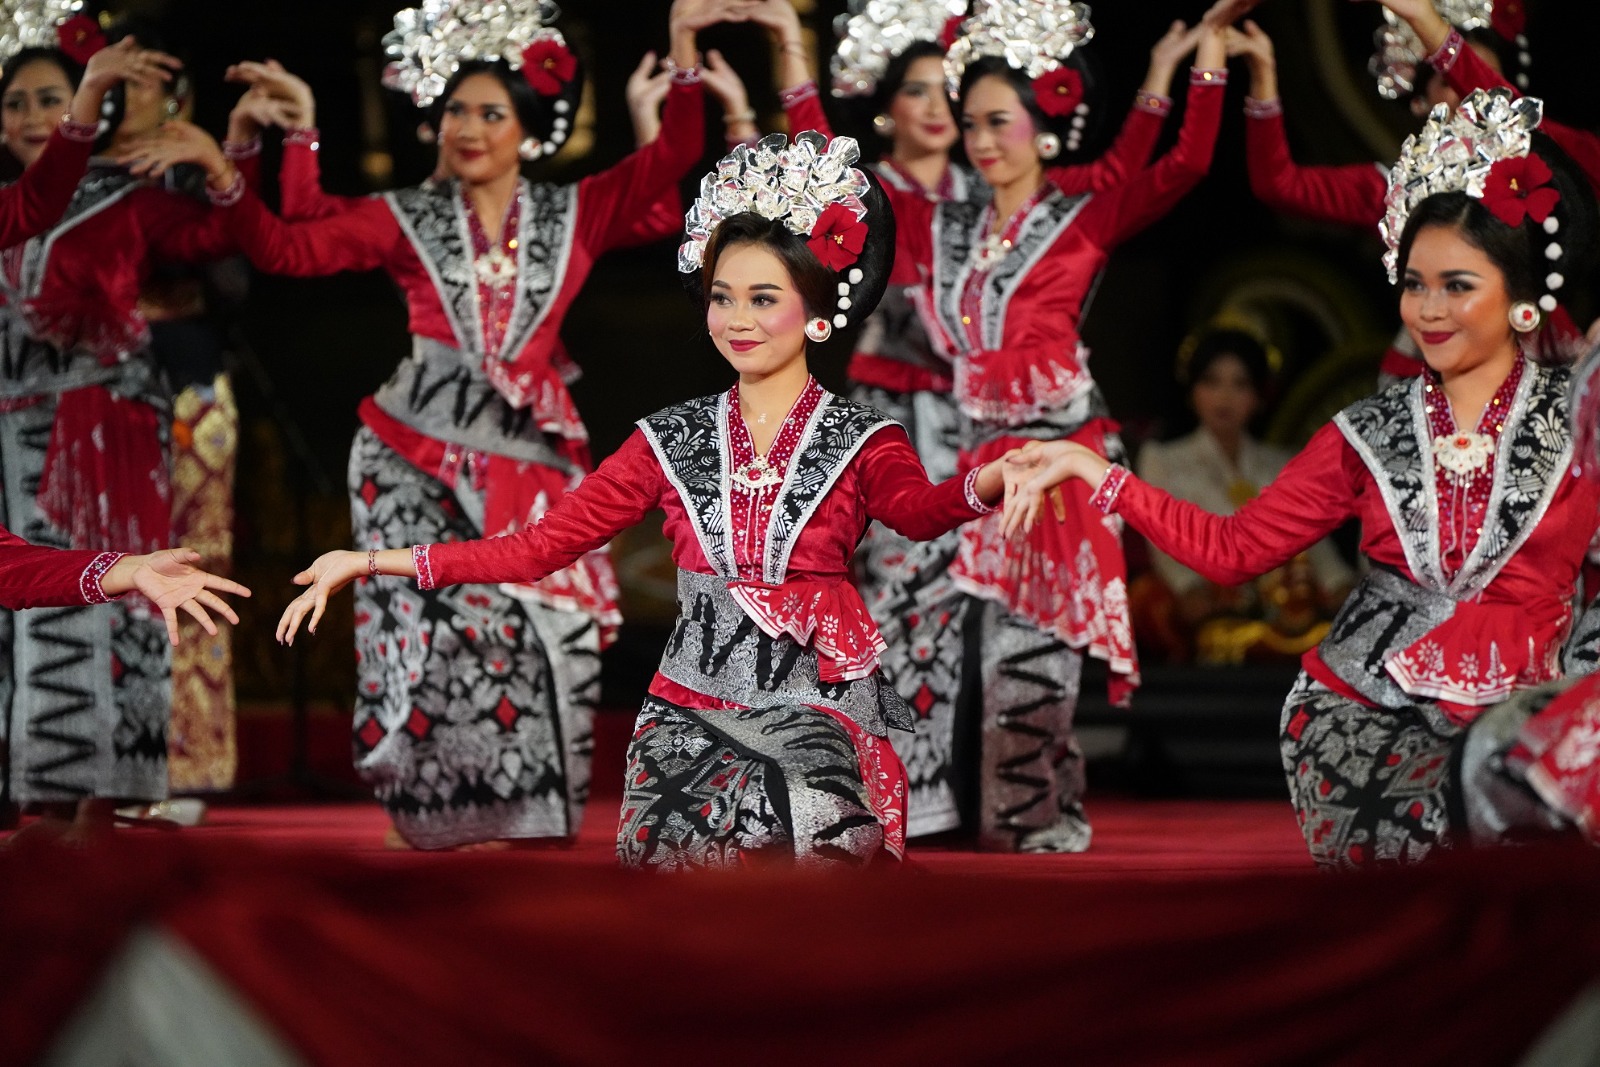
720, 284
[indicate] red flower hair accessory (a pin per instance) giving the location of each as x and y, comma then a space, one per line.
548, 65
952, 30
79, 38
1518, 188
1058, 91
1509, 18
838, 237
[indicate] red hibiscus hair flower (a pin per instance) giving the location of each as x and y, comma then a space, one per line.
80, 37
1518, 189
1058, 92
952, 30
838, 237
1509, 18
548, 65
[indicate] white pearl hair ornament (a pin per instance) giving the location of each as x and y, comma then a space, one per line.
1522, 81
562, 107
1552, 251
1081, 109
1547, 302
841, 321
1552, 224
1079, 122
1554, 281
844, 288
856, 275
844, 303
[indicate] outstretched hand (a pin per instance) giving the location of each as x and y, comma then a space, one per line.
646, 89
328, 574
1033, 471
170, 580
126, 61
274, 97
1227, 12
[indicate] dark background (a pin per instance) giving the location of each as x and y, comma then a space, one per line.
309, 350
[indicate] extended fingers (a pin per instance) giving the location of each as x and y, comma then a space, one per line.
226, 585
193, 608
171, 618
217, 604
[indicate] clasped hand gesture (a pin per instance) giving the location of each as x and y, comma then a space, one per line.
1032, 473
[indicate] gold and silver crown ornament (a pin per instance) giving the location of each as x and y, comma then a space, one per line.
1034, 36
873, 32
429, 42
1456, 151
812, 186
1400, 52
33, 24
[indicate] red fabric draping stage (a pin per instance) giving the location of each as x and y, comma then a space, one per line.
1193, 933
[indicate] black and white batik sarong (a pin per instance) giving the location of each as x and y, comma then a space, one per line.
86, 691
723, 788
1373, 785
474, 707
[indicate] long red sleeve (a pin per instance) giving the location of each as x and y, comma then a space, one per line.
804, 112
1116, 214
36, 201
898, 493
616, 496
32, 576
300, 194
616, 200
1309, 499
182, 229
360, 238
1348, 195
1129, 152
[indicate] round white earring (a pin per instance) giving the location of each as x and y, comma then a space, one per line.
883, 125
529, 149
1525, 317
1047, 144
819, 330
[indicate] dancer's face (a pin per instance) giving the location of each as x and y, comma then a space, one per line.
756, 315
998, 132
479, 132
1224, 397
1454, 302
34, 103
923, 124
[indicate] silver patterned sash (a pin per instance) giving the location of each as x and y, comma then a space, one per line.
1389, 431
689, 442
718, 650
434, 221
439, 393
1384, 615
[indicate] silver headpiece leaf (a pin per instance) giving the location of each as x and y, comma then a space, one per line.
430, 41
1400, 52
873, 32
1454, 152
32, 23
1034, 36
776, 180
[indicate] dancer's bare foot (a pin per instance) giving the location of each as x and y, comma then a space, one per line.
395, 840
50, 827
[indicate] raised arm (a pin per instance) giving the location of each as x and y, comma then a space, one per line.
1348, 195
1308, 500
1137, 138
1116, 214
616, 496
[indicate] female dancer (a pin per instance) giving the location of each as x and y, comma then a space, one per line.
1460, 482
929, 608
1352, 194
474, 705
763, 734
81, 443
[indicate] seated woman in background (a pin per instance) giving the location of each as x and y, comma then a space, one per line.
1220, 466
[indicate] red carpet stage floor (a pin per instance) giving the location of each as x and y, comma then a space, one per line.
1161, 838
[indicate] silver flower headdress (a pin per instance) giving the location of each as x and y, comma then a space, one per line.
1400, 51
796, 183
33, 23
873, 32
1456, 152
431, 41
1034, 36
